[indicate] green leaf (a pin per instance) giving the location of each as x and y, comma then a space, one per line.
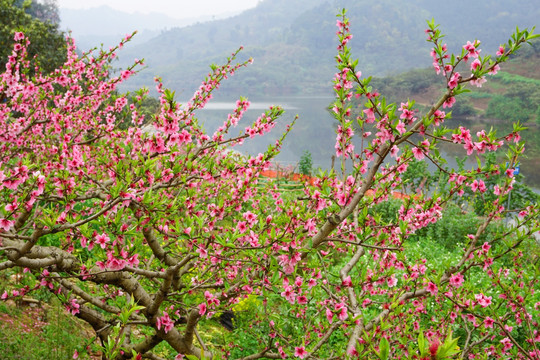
421, 344
169, 95
449, 347
384, 349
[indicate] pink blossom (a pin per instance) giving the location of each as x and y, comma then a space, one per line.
472, 48
6, 224
202, 252
341, 310
133, 260
329, 315
289, 294
482, 186
102, 240
12, 206
202, 309
250, 217
483, 301
487, 263
476, 64
471, 318
73, 307
391, 281
507, 344
418, 153
166, 322
310, 226
432, 288
400, 127
347, 282
469, 146
478, 82
456, 280
342, 199
402, 168
434, 347
453, 82
406, 113
449, 102
300, 352
18, 36
510, 172
241, 227
494, 69
126, 74
438, 117
370, 115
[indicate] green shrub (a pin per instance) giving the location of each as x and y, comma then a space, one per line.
306, 163
452, 229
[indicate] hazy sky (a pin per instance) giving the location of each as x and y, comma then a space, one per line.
173, 8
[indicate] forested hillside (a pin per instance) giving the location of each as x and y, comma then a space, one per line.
513, 95
292, 43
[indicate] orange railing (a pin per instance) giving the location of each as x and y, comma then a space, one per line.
274, 174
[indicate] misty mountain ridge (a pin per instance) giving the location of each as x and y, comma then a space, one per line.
115, 24
293, 42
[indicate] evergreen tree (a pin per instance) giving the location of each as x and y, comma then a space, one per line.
40, 22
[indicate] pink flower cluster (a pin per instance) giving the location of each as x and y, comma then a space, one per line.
164, 322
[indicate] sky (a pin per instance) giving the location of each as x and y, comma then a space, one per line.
173, 8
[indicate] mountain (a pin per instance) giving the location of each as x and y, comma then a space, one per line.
115, 24
293, 42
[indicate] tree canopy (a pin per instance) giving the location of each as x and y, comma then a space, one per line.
40, 22
150, 234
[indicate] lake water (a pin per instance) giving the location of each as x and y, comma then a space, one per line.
314, 131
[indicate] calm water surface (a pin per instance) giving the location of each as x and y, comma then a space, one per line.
314, 131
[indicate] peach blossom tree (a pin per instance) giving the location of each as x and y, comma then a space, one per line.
148, 234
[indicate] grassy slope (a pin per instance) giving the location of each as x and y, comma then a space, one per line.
41, 330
